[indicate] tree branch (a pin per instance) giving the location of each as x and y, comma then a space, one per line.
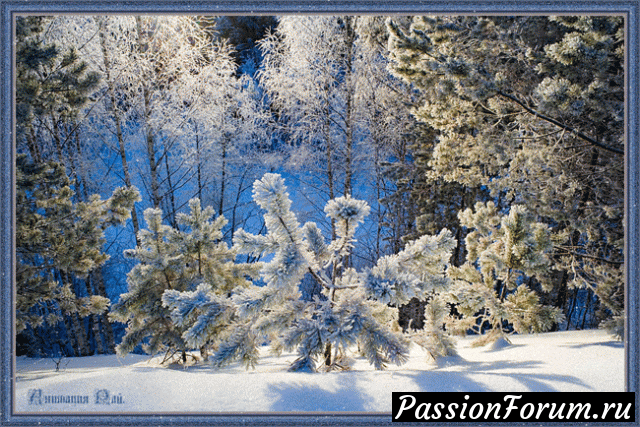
570, 252
561, 125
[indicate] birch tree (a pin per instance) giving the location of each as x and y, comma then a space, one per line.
337, 108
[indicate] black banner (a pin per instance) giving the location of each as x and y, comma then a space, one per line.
513, 407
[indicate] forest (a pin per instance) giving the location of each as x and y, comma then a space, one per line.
201, 186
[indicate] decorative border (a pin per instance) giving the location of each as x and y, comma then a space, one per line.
9, 8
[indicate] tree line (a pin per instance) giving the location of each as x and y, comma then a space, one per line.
507, 132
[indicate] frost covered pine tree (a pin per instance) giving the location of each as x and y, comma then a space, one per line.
59, 242
531, 109
352, 308
209, 264
419, 271
505, 255
175, 260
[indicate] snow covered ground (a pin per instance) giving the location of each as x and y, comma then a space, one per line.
559, 361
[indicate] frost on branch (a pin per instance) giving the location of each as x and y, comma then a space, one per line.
202, 313
418, 271
506, 254
178, 293
352, 310
347, 213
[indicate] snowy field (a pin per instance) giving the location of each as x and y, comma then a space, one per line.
560, 361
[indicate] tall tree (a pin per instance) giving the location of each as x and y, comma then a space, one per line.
307, 75
117, 114
516, 112
53, 85
58, 244
55, 90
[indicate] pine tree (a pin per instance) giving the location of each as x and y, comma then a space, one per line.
351, 309
506, 253
159, 268
54, 93
519, 107
211, 265
58, 244
52, 86
172, 260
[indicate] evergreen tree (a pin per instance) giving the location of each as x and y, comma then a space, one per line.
243, 33
54, 90
159, 268
52, 86
58, 243
351, 309
173, 260
531, 110
210, 264
506, 253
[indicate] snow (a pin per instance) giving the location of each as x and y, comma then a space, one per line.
558, 361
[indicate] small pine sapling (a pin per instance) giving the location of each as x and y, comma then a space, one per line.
262, 313
505, 253
419, 271
178, 270
353, 307
59, 242
209, 264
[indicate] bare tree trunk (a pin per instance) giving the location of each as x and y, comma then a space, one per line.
350, 40
151, 154
85, 180
329, 154
572, 307
94, 324
97, 333
327, 355
199, 165
118, 122
56, 138
457, 254
235, 206
586, 309
223, 175
34, 148
80, 334
379, 185
107, 329
150, 142
75, 326
71, 337
348, 177
171, 191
